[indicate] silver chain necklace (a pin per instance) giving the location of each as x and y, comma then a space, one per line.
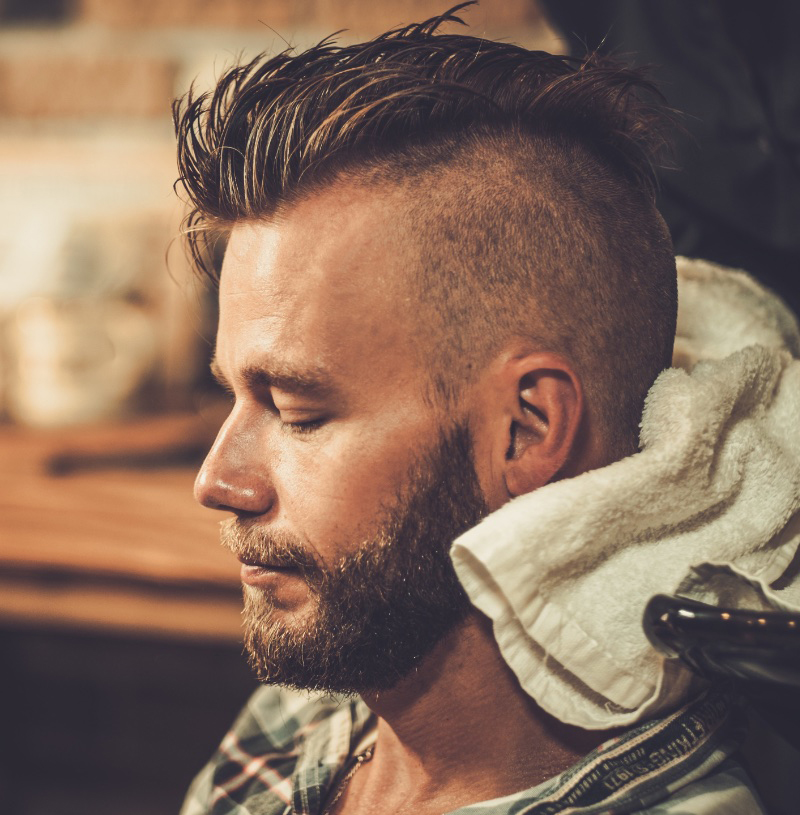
361, 760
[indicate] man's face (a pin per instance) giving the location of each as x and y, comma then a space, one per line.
347, 486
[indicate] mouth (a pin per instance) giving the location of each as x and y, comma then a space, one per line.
262, 573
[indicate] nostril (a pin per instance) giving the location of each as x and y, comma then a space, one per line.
232, 494
214, 493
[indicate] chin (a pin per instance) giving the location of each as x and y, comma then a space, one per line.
265, 609
283, 590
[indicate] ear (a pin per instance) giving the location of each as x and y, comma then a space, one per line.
544, 409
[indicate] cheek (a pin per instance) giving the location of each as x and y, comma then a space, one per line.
332, 491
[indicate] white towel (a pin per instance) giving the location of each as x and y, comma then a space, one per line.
709, 508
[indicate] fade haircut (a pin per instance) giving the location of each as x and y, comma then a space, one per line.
529, 187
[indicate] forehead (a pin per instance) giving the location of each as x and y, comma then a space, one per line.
324, 284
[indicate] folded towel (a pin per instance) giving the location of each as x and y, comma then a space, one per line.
709, 508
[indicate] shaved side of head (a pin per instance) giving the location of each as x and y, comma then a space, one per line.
539, 240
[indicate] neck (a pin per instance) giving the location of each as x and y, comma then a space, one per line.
460, 730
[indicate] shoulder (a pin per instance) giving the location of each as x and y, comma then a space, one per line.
258, 755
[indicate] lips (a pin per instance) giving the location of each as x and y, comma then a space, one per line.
262, 574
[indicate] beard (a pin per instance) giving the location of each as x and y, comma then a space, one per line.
380, 610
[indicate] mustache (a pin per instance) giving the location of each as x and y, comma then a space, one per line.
253, 544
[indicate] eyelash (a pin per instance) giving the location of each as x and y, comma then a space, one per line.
302, 428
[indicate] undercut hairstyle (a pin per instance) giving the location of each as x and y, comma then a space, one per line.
527, 188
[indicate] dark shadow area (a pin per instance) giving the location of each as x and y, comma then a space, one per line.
100, 724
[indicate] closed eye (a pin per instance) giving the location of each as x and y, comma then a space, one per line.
304, 427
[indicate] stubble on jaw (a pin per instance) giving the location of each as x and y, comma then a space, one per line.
378, 611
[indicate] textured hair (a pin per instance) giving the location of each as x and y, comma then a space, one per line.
528, 180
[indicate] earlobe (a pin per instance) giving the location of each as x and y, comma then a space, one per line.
544, 422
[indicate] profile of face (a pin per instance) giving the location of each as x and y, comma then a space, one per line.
346, 484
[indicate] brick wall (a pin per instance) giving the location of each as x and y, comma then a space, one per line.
87, 152
363, 16
103, 83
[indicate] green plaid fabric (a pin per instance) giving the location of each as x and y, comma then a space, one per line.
287, 750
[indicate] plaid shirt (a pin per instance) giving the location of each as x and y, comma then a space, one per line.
287, 751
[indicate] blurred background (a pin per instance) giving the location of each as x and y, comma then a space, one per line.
119, 612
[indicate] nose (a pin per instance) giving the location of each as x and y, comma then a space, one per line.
234, 475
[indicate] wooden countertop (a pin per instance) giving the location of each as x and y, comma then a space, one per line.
116, 541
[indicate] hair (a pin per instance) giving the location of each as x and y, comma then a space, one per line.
528, 183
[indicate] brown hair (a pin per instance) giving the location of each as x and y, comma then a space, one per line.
531, 180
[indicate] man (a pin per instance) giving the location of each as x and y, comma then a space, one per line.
445, 285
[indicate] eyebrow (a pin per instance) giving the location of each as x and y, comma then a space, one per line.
283, 378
